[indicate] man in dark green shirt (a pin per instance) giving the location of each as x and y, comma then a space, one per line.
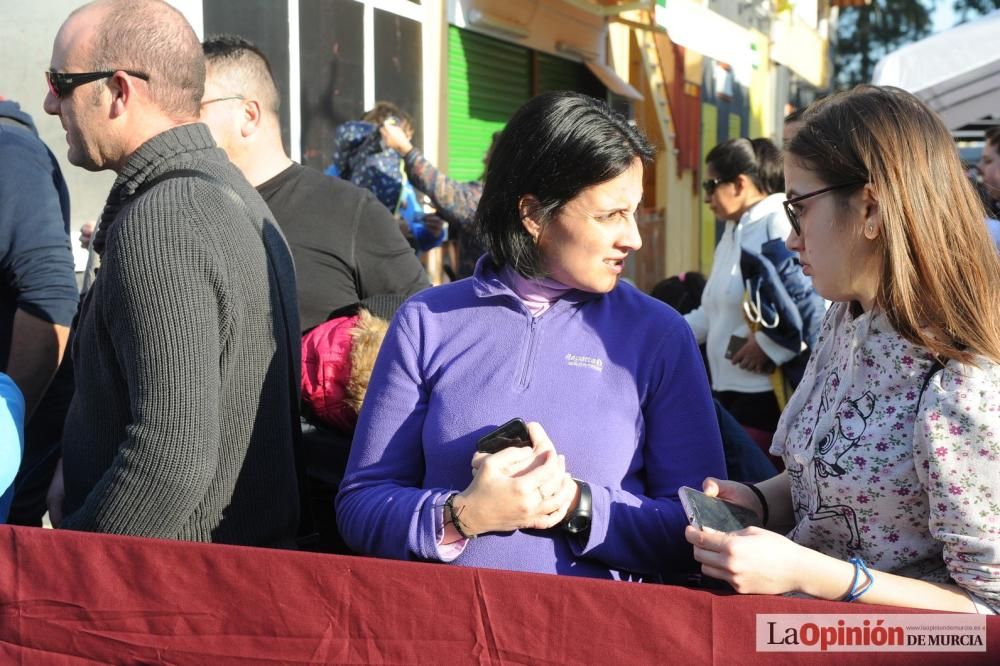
186, 350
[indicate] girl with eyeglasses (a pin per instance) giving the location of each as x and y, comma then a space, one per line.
891, 442
744, 187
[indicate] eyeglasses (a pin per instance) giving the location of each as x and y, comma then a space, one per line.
712, 183
793, 213
222, 99
61, 83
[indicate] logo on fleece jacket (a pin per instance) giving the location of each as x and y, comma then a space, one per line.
584, 362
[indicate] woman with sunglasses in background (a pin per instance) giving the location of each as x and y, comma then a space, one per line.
892, 439
744, 188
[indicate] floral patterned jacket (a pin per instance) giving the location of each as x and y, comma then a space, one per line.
455, 202
906, 477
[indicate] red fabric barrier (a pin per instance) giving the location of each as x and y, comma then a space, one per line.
74, 598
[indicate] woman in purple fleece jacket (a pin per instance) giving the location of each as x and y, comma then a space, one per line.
610, 379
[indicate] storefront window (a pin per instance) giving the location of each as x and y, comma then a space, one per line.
398, 69
331, 61
263, 22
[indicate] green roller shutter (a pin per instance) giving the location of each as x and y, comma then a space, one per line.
488, 80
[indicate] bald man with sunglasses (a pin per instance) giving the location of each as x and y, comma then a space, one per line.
184, 421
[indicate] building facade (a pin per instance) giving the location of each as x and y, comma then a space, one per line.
690, 73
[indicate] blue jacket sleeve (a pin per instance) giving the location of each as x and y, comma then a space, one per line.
36, 260
682, 446
381, 508
11, 440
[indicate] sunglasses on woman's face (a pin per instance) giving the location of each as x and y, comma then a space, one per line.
711, 184
61, 83
793, 213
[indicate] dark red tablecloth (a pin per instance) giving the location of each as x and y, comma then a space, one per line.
74, 598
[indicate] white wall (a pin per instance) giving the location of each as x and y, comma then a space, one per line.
26, 34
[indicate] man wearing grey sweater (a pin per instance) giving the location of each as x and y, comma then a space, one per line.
186, 348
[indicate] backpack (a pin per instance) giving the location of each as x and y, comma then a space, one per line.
360, 157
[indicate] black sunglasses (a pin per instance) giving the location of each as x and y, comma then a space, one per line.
793, 214
61, 83
712, 183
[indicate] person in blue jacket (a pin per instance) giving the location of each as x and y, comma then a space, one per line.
38, 299
11, 440
609, 379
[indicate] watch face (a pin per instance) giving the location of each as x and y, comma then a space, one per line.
577, 524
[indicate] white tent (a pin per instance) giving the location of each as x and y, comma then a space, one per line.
956, 72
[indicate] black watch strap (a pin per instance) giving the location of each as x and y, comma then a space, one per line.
579, 520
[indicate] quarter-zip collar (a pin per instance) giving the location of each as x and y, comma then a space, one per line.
488, 283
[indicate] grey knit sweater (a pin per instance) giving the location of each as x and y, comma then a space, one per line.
180, 427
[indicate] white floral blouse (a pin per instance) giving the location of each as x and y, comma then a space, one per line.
912, 493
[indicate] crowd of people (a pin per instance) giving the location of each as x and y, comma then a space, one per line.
261, 359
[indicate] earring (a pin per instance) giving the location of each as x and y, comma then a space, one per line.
871, 228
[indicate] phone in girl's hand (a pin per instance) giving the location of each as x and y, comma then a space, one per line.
711, 512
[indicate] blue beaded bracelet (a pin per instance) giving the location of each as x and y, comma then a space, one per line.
859, 566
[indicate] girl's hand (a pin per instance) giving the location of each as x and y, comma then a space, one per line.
733, 491
753, 560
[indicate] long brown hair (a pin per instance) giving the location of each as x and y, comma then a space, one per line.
940, 274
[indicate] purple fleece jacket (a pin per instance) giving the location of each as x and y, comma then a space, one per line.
617, 382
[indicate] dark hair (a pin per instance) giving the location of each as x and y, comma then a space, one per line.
992, 136
757, 159
382, 111
795, 116
245, 66
681, 292
555, 146
489, 153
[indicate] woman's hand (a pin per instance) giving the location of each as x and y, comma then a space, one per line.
517, 488
752, 358
753, 560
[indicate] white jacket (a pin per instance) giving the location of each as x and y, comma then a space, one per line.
721, 313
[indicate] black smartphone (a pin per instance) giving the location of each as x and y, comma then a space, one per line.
735, 344
512, 433
704, 511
